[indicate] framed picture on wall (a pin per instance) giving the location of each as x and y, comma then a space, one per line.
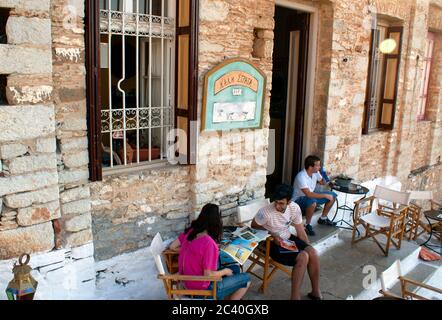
233, 96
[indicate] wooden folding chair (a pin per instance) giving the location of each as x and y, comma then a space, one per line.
173, 282
388, 220
409, 288
261, 254
419, 224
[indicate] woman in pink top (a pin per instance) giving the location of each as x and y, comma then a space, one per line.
199, 255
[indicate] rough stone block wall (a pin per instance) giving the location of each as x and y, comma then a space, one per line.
68, 51
434, 110
128, 210
347, 150
232, 169
423, 141
29, 198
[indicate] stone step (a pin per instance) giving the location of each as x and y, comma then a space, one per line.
434, 280
421, 272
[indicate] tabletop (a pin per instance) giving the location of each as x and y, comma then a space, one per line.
353, 188
434, 214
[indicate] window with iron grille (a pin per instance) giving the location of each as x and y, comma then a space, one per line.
383, 78
136, 84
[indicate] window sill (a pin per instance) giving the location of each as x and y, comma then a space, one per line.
137, 168
377, 130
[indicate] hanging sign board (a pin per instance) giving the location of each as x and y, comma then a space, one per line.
233, 96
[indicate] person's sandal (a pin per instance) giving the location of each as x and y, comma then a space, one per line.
312, 297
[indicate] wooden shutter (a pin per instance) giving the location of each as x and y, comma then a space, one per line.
371, 86
186, 79
423, 99
93, 88
390, 80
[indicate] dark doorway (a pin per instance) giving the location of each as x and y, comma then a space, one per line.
287, 104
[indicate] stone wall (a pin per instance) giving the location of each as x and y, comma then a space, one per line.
69, 96
231, 168
29, 198
128, 210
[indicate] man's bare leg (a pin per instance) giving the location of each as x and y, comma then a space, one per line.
309, 213
298, 274
313, 270
327, 208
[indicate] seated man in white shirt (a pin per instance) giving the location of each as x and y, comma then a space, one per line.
277, 217
306, 197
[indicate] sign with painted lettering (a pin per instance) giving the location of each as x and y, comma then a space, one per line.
233, 96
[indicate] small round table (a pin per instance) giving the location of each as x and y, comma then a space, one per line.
435, 228
352, 188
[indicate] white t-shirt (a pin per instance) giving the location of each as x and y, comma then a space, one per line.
303, 181
276, 222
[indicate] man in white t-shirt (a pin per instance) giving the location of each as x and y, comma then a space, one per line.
277, 217
306, 197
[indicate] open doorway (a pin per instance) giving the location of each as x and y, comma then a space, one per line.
288, 95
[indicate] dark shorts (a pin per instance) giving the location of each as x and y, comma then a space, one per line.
305, 202
285, 256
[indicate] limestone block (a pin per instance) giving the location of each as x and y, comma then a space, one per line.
74, 143
206, 46
40, 5
36, 238
8, 225
23, 94
46, 145
9, 151
78, 223
28, 182
39, 213
75, 194
265, 34
79, 238
21, 30
74, 176
25, 122
75, 207
331, 142
18, 59
77, 159
213, 10
32, 163
23, 200
74, 124
177, 215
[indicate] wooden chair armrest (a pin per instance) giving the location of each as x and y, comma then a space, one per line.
358, 202
389, 294
420, 284
178, 277
386, 208
170, 251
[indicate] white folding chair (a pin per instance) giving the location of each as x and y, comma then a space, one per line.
394, 274
388, 219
